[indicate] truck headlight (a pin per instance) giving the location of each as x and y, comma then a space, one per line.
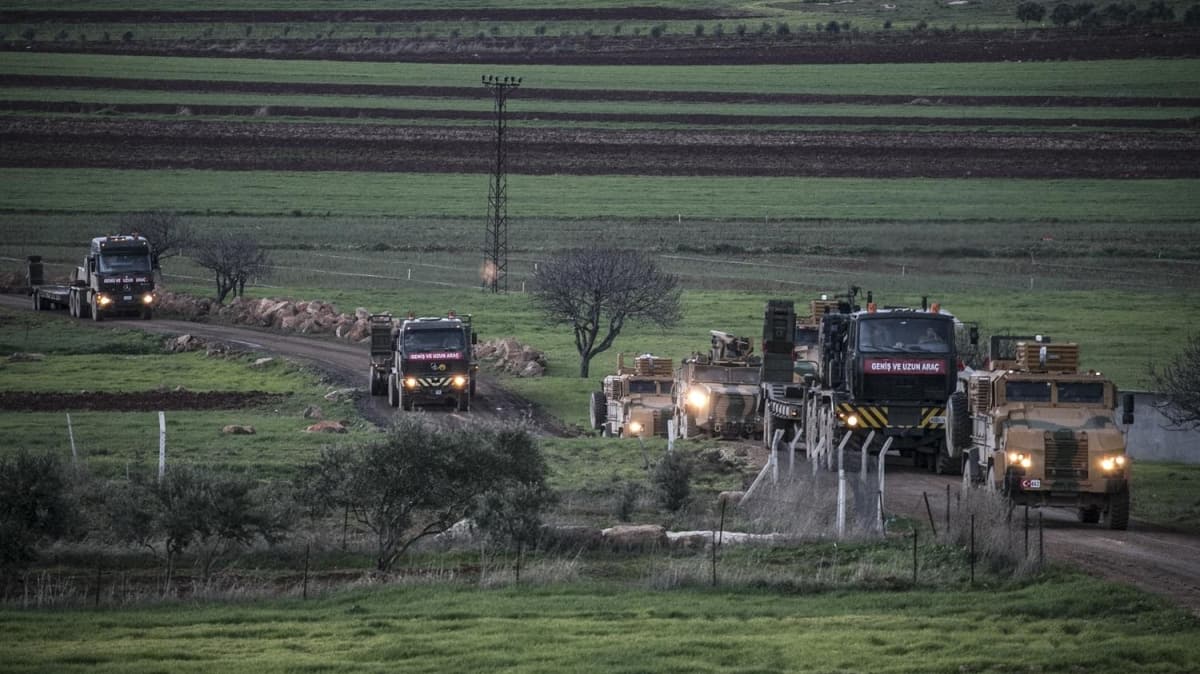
852, 420
697, 398
635, 427
1120, 459
148, 298
1107, 464
460, 381
103, 300
1027, 462
411, 382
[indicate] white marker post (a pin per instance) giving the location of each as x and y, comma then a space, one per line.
841, 496
162, 445
71, 436
882, 458
775, 454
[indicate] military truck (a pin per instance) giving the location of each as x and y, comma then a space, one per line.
117, 278
423, 361
1044, 433
889, 370
717, 394
636, 401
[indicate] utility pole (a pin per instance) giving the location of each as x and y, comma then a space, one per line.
495, 240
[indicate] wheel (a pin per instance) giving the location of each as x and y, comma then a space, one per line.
95, 311
958, 424
464, 403
37, 301
393, 392
406, 401
597, 409
147, 314
1118, 511
1089, 515
944, 464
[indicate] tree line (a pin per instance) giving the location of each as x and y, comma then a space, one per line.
1089, 15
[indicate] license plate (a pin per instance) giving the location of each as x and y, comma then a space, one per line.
437, 391
937, 420
128, 297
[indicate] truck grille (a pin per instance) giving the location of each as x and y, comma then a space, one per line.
904, 387
725, 406
1066, 455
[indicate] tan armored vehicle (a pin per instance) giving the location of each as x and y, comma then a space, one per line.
718, 394
1043, 433
636, 401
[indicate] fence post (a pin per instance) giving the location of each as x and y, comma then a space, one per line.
972, 548
71, 436
947, 509
162, 445
1041, 543
718, 536
929, 511
1026, 531
914, 556
307, 548
862, 468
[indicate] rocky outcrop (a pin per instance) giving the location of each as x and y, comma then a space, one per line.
311, 317
327, 427
238, 429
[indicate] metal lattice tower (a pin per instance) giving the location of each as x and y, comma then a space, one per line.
495, 241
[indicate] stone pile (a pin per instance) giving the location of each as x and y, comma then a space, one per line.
510, 356
312, 317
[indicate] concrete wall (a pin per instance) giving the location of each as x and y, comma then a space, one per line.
1151, 437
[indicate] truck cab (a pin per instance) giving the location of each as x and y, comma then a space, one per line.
117, 277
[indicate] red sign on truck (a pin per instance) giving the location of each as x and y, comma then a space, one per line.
903, 366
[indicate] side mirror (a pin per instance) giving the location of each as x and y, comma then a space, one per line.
1127, 408
973, 335
474, 338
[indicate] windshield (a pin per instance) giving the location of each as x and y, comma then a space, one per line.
726, 375
118, 263
904, 335
636, 386
1027, 391
1080, 392
434, 340
806, 336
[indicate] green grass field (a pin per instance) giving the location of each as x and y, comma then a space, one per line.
1067, 622
1167, 494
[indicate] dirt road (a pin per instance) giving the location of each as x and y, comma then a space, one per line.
345, 365
1155, 560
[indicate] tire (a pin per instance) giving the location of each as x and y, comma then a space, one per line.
472, 386
406, 401
85, 310
147, 314
1089, 515
1118, 511
393, 392
944, 464
597, 410
958, 424
37, 301
464, 403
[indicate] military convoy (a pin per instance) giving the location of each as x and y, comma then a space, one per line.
1036, 429
423, 361
636, 401
116, 278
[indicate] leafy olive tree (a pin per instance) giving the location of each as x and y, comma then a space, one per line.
598, 290
36, 505
510, 513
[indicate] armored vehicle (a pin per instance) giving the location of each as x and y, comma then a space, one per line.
717, 394
636, 401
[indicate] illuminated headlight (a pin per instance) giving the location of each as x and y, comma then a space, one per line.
1015, 457
852, 420
697, 398
148, 298
411, 382
103, 300
635, 427
1107, 464
460, 381
1120, 459
1027, 462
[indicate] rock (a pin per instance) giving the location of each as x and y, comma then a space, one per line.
24, 357
360, 331
180, 389
262, 362
689, 540
236, 429
532, 369
184, 343
361, 314
339, 394
313, 412
635, 536
326, 427
569, 538
289, 322
216, 350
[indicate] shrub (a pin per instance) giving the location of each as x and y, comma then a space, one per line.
36, 505
627, 499
1192, 16
540, 30
28, 34
887, 25
833, 27
782, 28
698, 31
740, 30
127, 36
765, 28
719, 30
1117, 12
1159, 11
672, 481
658, 30
617, 29
1062, 14
920, 27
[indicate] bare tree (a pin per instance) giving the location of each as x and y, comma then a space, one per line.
1179, 381
597, 290
233, 260
167, 234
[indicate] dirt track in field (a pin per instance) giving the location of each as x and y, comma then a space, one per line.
195, 144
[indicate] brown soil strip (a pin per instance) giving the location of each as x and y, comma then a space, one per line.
362, 15
535, 93
74, 143
809, 48
70, 107
146, 401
